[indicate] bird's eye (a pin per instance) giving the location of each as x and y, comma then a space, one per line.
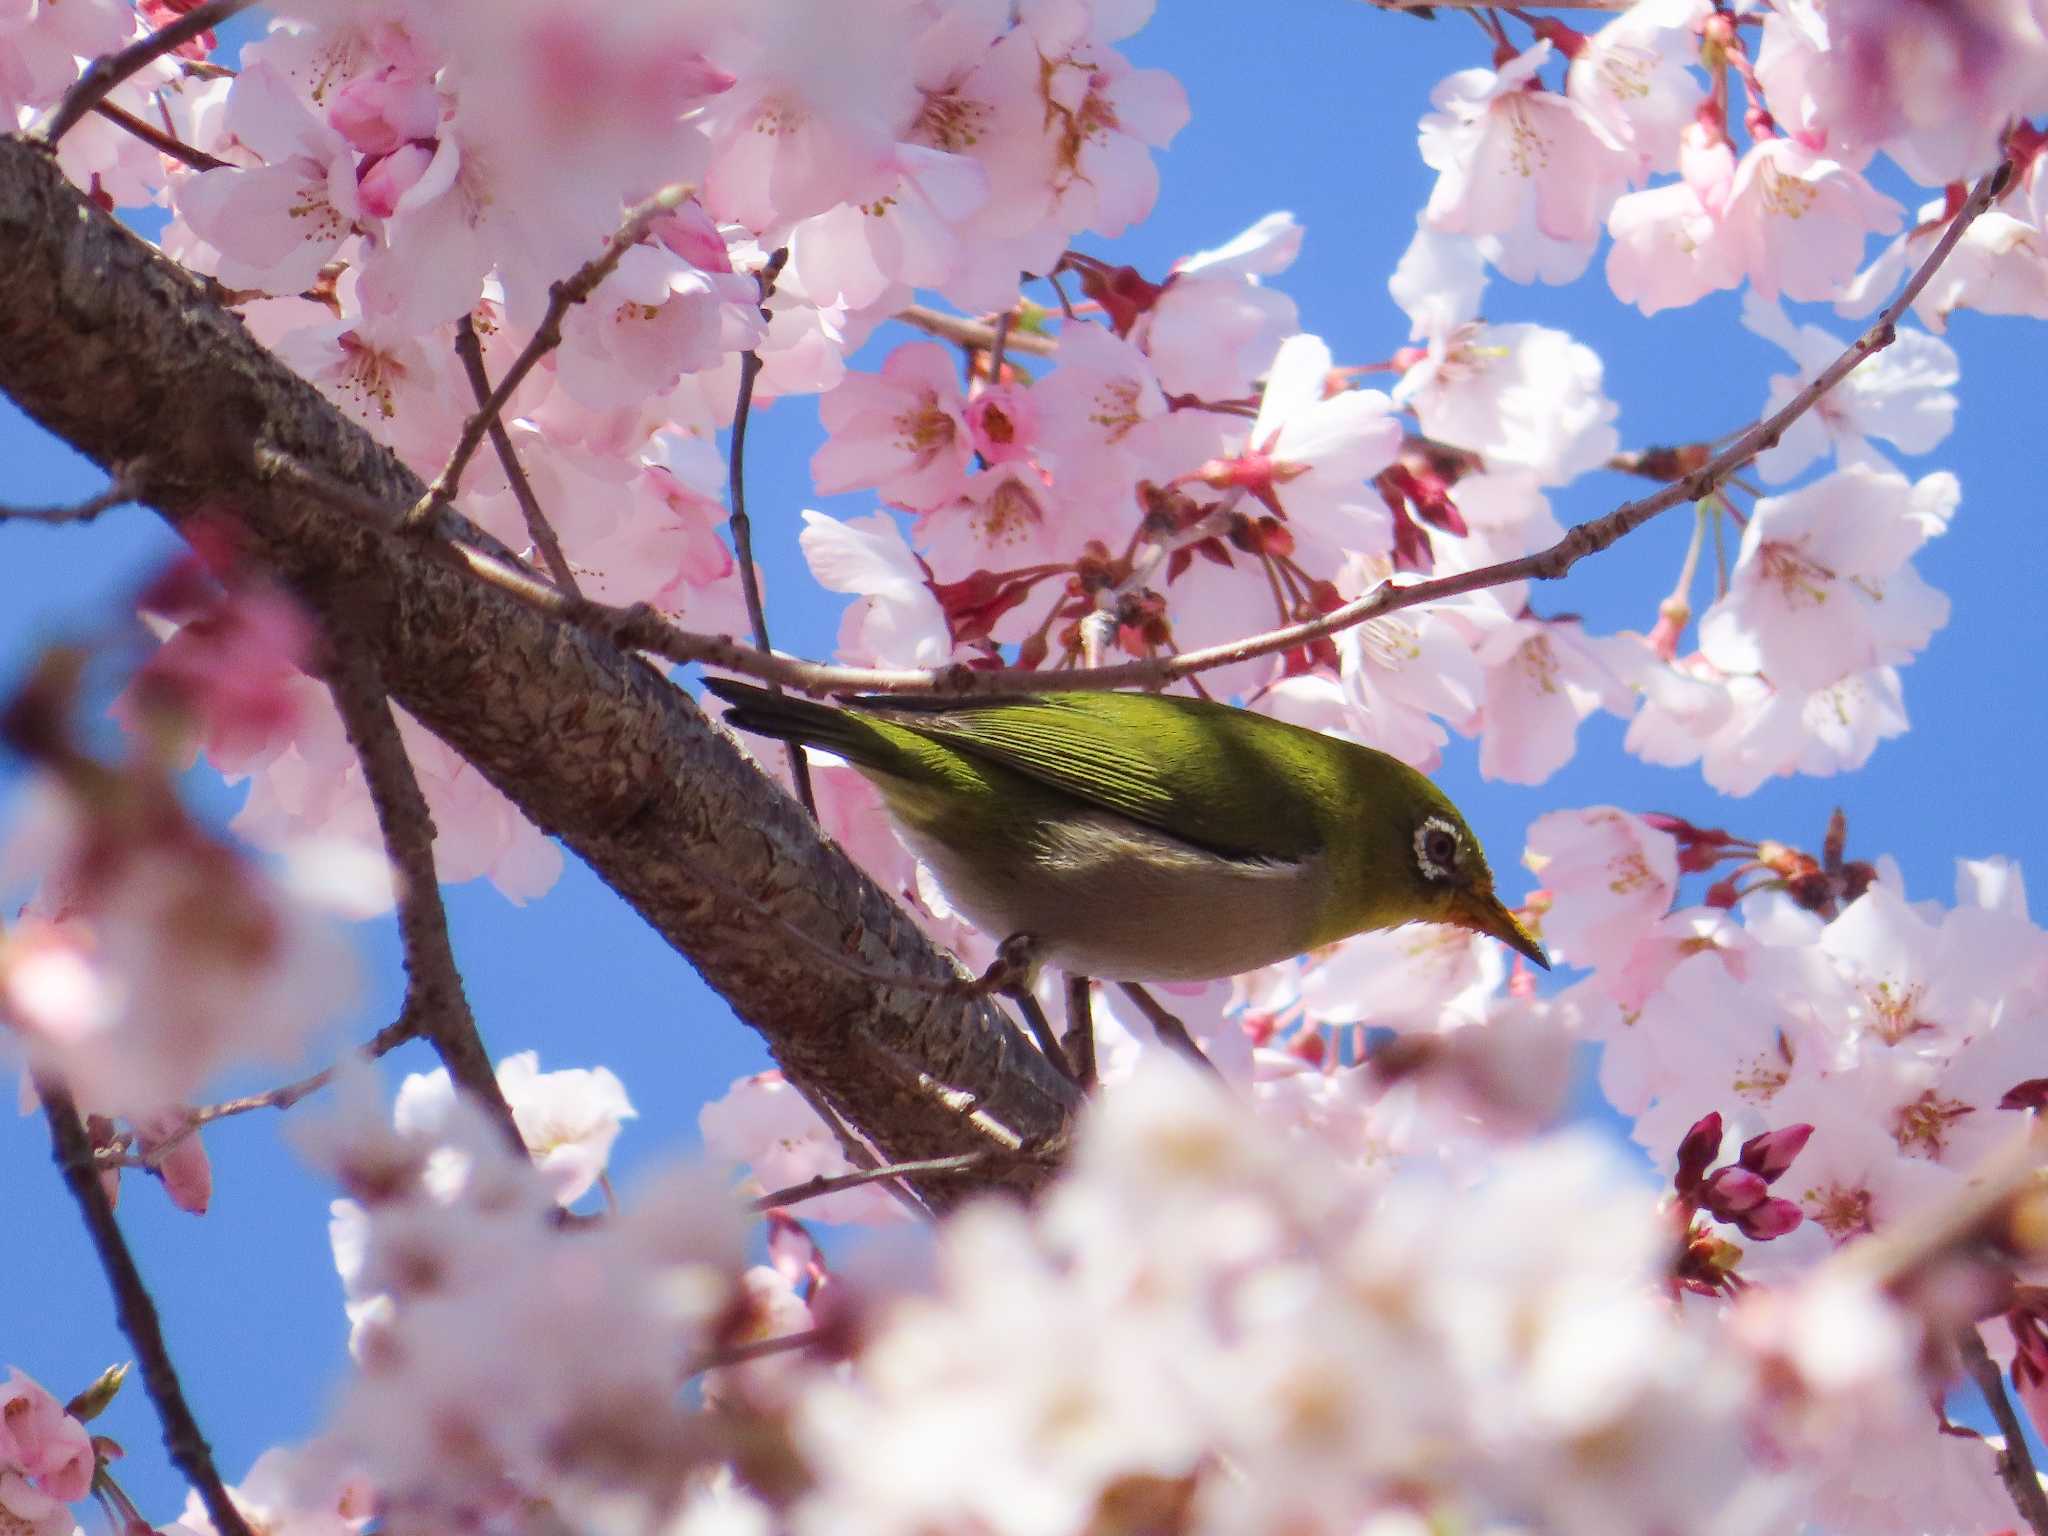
1436, 849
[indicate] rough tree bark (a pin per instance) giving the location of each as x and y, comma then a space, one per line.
128, 357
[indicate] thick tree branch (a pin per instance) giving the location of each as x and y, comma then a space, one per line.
124, 355
71, 1149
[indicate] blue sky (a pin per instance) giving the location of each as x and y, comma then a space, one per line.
1317, 115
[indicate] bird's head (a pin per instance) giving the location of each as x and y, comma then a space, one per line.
1449, 881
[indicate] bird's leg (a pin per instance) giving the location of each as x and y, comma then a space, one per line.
1172, 1033
1010, 973
1080, 1037
1041, 1031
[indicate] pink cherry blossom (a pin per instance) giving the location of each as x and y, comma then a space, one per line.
1999, 267
41, 44
157, 957
1541, 680
1512, 157
289, 1491
1795, 222
902, 431
1901, 395
277, 222
1670, 248
1215, 327
895, 620
1823, 589
1634, 77
1932, 86
46, 1458
568, 1118
1611, 877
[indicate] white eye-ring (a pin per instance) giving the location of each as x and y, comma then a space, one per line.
1436, 848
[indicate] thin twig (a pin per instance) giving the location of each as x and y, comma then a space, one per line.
110, 69
743, 529
538, 528
117, 493
433, 984
2015, 1461
71, 1149
856, 1151
1079, 1042
562, 297
386, 1040
739, 1354
978, 334
831, 1184
158, 140
1167, 1026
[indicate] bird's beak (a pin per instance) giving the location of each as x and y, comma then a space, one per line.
1483, 912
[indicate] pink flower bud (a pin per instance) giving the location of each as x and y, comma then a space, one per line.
1770, 1154
1701, 1145
1774, 1218
1732, 1191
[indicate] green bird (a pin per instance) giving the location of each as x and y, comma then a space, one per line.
1139, 837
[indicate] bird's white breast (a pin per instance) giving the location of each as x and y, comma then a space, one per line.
1113, 899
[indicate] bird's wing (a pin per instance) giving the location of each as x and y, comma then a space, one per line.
1188, 768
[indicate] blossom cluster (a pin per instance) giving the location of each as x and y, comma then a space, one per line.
1185, 1333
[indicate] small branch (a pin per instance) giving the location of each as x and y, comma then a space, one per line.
118, 492
158, 140
562, 296
538, 528
1167, 1026
739, 1354
71, 1149
979, 334
743, 528
2015, 1462
110, 69
433, 984
824, 1184
856, 1152
1079, 1042
386, 1040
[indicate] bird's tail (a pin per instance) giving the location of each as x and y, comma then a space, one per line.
788, 717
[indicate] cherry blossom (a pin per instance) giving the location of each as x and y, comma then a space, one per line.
46, 1458
902, 430
1822, 590
156, 956
1901, 395
1780, 183
896, 619
1513, 158
568, 1118
276, 222
1610, 877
